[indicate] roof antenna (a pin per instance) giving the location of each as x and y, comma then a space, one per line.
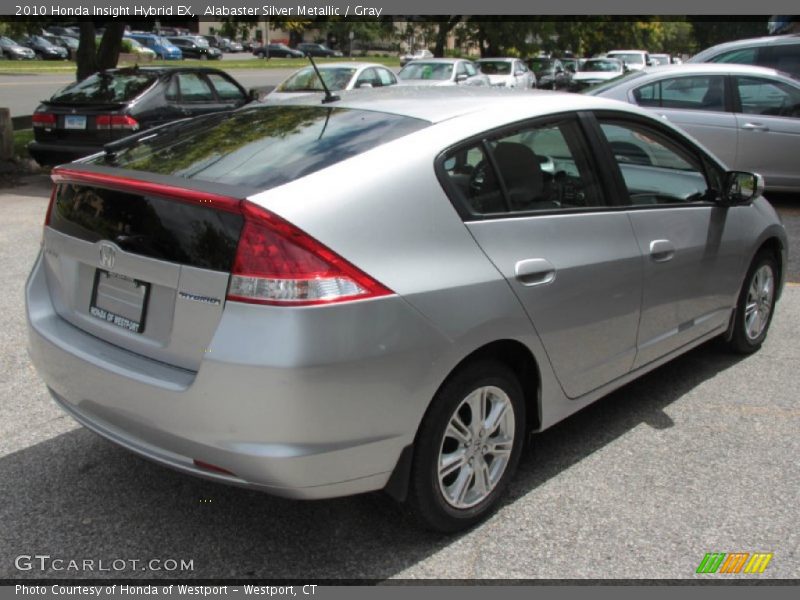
328, 96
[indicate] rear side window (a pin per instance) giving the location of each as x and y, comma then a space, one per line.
261, 146
784, 57
700, 92
106, 87
541, 168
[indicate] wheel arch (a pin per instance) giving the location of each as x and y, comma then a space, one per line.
513, 354
775, 246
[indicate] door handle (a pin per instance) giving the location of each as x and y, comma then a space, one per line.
662, 250
534, 271
755, 127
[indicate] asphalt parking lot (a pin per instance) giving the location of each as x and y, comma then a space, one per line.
699, 456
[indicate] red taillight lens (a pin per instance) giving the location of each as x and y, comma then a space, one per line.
116, 122
43, 120
50, 206
276, 263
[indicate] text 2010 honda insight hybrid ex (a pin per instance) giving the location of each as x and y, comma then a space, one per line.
390, 290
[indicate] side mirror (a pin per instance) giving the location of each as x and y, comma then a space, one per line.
461, 77
364, 85
254, 94
742, 187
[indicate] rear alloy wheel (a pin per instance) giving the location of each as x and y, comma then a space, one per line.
756, 305
468, 447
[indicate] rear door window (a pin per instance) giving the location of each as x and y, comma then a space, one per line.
698, 92
539, 168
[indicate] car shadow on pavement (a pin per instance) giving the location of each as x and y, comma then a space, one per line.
79, 497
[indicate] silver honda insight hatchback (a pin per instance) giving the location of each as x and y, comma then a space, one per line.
388, 291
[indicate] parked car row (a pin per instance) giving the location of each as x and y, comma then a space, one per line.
31, 47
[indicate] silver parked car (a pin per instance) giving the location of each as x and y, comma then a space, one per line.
781, 52
507, 72
270, 298
748, 116
337, 76
441, 72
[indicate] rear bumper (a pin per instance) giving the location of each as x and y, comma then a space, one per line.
327, 421
54, 153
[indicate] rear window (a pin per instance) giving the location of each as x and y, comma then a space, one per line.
107, 87
263, 146
495, 67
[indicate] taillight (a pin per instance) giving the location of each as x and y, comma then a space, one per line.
276, 263
41, 119
50, 206
116, 122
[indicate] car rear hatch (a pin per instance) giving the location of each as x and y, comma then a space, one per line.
93, 125
141, 265
144, 245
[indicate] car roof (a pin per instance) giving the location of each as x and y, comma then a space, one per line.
712, 68
339, 65
164, 70
437, 104
628, 51
495, 58
448, 61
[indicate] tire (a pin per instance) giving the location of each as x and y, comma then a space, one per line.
450, 438
204, 57
756, 305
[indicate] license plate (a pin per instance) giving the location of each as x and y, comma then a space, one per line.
119, 300
74, 122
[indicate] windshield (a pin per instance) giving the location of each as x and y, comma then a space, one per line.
262, 146
4, 41
632, 58
426, 71
596, 89
495, 67
602, 66
306, 80
105, 87
540, 64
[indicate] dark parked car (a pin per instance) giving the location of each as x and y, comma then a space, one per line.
550, 73
70, 44
278, 51
43, 49
11, 49
80, 119
317, 50
192, 47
